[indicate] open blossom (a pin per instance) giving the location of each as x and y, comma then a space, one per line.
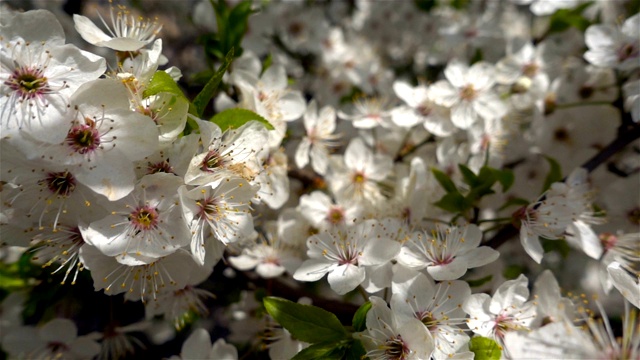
613, 47
391, 336
508, 310
566, 205
315, 145
143, 226
39, 73
344, 254
356, 179
128, 32
437, 306
468, 93
448, 252
218, 213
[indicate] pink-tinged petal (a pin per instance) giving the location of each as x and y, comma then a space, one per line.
511, 293
292, 105
479, 257
454, 270
625, 282
481, 75
88, 30
631, 27
313, 270
378, 251
456, 73
243, 262
269, 270
463, 115
302, 153
444, 93
274, 78
345, 278
531, 244
114, 178
601, 36
418, 338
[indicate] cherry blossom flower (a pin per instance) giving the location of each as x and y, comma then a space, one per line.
39, 74
448, 252
220, 213
508, 310
468, 92
127, 31
614, 47
344, 255
390, 336
437, 306
198, 346
315, 145
143, 226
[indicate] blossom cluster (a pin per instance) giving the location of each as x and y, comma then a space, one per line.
392, 148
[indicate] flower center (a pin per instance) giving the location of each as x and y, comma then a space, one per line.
84, 138
468, 93
336, 216
60, 183
628, 51
144, 218
29, 82
160, 167
359, 178
211, 161
530, 70
395, 348
208, 207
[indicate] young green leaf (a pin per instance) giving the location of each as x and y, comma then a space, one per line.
328, 350
485, 348
563, 19
356, 351
480, 282
468, 176
360, 317
203, 98
453, 202
306, 323
505, 178
445, 181
234, 118
162, 82
555, 173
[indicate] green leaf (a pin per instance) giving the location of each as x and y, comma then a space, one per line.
468, 176
505, 178
453, 202
513, 271
327, 350
360, 317
485, 348
480, 282
306, 323
555, 173
563, 19
560, 246
203, 98
234, 118
162, 82
356, 351
445, 181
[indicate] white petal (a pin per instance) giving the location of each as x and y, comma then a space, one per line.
345, 278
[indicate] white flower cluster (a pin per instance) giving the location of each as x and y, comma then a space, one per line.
102, 172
